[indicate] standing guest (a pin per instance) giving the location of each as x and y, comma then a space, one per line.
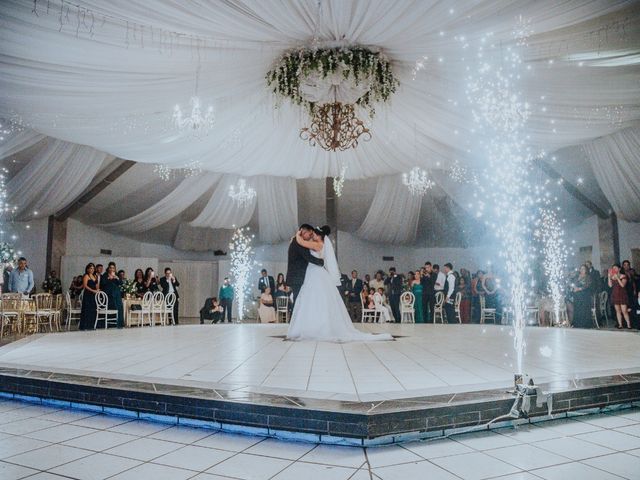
265, 311
417, 290
490, 286
428, 282
464, 288
582, 299
170, 284
52, 284
75, 289
378, 281
449, 289
21, 279
596, 281
438, 285
394, 284
626, 265
150, 281
212, 310
6, 277
617, 281
122, 275
632, 293
138, 278
366, 281
226, 298
477, 290
354, 289
112, 286
99, 270
266, 281
90, 286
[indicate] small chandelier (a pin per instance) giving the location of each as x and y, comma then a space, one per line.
338, 182
334, 126
418, 181
198, 122
241, 193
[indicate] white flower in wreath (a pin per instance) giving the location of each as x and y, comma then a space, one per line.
316, 88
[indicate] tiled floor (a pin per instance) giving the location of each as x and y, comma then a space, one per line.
424, 360
56, 444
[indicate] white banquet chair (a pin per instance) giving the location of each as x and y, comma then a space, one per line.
102, 310
167, 311
603, 299
145, 311
73, 312
438, 309
456, 306
368, 314
407, 308
157, 308
486, 313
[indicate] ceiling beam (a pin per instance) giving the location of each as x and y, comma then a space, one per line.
570, 188
92, 190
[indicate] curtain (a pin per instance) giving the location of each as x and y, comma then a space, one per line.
393, 215
277, 208
18, 141
222, 211
615, 160
55, 177
177, 201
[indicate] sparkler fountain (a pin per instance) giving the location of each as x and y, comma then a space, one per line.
242, 264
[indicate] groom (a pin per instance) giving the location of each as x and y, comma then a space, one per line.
299, 258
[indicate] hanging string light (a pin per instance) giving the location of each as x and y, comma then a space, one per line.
241, 193
242, 265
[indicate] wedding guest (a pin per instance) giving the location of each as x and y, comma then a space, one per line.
354, 289
596, 281
617, 281
52, 284
282, 290
150, 281
90, 286
582, 299
477, 291
112, 286
490, 286
6, 277
464, 288
366, 281
99, 270
632, 293
138, 278
169, 284
378, 281
438, 285
122, 275
75, 289
265, 311
394, 283
449, 289
226, 298
428, 282
21, 279
380, 303
266, 281
212, 310
416, 289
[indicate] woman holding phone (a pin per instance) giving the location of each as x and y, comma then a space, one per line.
618, 282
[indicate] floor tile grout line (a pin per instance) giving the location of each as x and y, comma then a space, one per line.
313, 361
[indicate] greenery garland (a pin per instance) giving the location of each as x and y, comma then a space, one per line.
8, 253
357, 63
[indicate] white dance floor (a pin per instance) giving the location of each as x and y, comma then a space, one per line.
424, 360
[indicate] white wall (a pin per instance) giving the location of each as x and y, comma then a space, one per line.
629, 236
584, 235
31, 241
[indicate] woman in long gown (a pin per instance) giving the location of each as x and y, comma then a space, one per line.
319, 313
91, 286
416, 289
582, 300
111, 285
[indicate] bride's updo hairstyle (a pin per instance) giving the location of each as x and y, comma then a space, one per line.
323, 231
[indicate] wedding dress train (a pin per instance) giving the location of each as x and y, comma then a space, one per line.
319, 312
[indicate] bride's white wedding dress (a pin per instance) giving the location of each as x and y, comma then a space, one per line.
319, 312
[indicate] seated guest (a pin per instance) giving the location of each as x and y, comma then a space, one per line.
212, 310
380, 305
52, 284
111, 285
282, 290
21, 279
265, 311
75, 289
170, 284
138, 278
150, 281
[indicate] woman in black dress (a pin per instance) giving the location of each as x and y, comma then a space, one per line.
91, 286
138, 278
582, 299
111, 285
150, 281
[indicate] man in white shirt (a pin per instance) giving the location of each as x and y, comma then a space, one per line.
440, 278
449, 293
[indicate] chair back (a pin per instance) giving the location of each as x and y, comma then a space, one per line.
483, 302
603, 301
439, 299
44, 301
158, 301
101, 300
457, 301
12, 296
147, 298
282, 304
58, 301
407, 299
10, 303
170, 300
67, 299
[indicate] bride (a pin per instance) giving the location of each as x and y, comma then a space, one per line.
319, 312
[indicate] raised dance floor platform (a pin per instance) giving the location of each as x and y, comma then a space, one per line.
431, 379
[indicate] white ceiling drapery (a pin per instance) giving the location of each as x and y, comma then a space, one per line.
19, 141
277, 208
222, 211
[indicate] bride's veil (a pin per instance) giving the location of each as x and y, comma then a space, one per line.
330, 262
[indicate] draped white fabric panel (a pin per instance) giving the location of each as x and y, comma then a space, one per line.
55, 177
615, 160
222, 211
393, 216
18, 141
277, 208
189, 190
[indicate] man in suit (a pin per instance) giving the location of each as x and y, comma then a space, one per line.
170, 284
267, 281
354, 304
212, 310
449, 293
394, 283
428, 293
298, 260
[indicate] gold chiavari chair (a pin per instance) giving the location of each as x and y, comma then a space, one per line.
10, 313
42, 313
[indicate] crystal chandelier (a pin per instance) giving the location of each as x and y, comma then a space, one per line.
418, 181
334, 126
241, 193
200, 121
338, 182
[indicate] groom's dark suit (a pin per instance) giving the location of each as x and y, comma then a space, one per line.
299, 259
